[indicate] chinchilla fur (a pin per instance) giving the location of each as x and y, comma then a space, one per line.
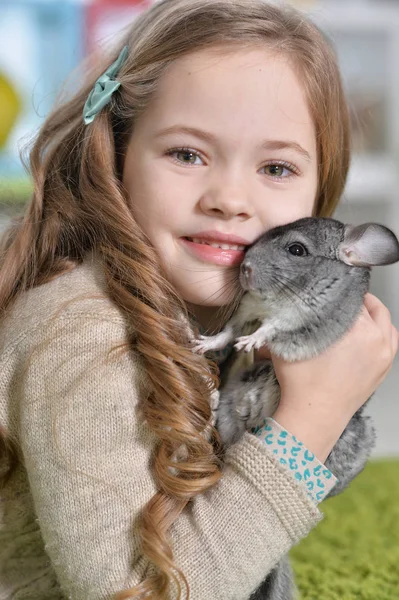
303, 288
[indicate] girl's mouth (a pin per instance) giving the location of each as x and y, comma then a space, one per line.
230, 255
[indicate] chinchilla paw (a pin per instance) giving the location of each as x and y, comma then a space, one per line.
241, 343
198, 347
247, 342
202, 344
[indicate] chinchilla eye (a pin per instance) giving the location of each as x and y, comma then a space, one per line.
297, 250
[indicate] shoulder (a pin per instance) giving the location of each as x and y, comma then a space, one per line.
76, 295
69, 316
68, 335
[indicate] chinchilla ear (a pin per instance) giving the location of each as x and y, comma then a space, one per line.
368, 245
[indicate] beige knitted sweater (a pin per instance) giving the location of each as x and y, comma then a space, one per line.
68, 516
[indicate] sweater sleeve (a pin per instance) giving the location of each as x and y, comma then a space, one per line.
88, 457
299, 460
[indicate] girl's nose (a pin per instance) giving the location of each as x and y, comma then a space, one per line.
227, 202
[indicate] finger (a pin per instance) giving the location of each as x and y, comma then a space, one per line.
380, 315
372, 303
369, 306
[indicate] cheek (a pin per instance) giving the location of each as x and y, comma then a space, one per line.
287, 209
144, 199
155, 214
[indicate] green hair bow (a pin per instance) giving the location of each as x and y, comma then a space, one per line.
103, 89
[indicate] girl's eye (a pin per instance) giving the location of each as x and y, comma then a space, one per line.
185, 155
281, 170
276, 170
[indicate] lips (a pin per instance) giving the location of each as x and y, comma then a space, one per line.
217, 237
214, 255
215, 244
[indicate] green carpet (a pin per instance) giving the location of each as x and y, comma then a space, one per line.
353, 554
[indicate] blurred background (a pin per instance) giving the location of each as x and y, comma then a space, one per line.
42, 41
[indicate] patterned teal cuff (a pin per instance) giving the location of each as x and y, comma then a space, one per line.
303, 465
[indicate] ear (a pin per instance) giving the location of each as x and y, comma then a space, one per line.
368, 245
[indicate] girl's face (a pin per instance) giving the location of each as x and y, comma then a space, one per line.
227, 146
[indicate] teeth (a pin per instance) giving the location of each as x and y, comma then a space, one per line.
215, 245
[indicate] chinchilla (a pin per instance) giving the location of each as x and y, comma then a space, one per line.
304, 285
303, 288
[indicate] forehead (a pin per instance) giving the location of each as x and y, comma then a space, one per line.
237, 94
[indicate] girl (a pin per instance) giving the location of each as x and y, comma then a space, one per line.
212, 122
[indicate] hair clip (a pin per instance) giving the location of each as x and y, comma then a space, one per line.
103, 88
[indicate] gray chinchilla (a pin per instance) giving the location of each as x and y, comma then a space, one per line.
304, 285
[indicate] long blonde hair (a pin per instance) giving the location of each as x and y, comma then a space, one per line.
79, 205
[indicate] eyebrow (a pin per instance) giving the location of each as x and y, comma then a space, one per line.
209, 137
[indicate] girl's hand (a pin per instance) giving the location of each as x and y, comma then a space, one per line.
326, 391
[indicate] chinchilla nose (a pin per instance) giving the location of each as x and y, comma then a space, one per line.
247, 272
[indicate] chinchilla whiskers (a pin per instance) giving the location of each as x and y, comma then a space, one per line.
284, 292
225, 313
206, 270
234, 276
284, 279
310, 294
287, 288
233, 291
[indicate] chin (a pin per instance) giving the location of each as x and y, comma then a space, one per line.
201, 301
197, 292
210, 298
